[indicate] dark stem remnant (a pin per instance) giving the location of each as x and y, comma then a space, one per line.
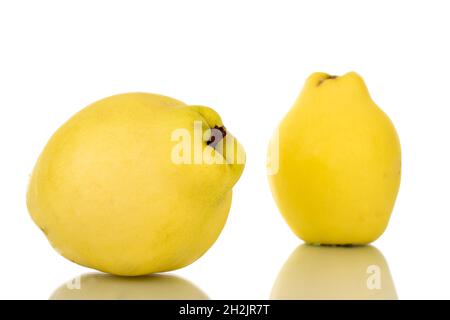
217, 134
327, 78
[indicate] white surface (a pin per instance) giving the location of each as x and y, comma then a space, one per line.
248, 60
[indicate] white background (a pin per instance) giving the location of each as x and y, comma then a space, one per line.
248, 60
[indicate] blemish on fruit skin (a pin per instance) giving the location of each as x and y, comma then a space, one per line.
330, 77
43, 230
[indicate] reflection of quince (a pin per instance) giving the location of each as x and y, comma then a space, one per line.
97, 286
313, 272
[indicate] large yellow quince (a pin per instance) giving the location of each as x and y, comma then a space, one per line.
135, 184
335, 163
